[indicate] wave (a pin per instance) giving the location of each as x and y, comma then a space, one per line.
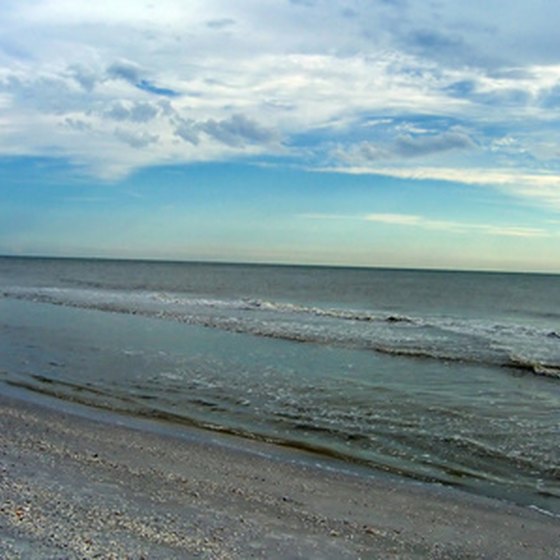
520, 347
323, 442
460, 459
513, 362
246, 304
68, 296
538, 368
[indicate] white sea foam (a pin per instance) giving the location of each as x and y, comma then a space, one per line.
523, 347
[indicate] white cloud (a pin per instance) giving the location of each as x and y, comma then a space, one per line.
449, 226
401, 220
203, 80
543, 188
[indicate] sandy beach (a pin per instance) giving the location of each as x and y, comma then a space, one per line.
75, 483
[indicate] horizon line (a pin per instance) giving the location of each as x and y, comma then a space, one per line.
277, 264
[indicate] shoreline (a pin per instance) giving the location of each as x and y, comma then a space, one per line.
75, 482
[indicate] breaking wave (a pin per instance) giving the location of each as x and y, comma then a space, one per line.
519, 347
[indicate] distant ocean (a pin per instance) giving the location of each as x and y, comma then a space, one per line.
442, 377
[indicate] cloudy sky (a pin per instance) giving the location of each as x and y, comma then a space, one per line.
409, 133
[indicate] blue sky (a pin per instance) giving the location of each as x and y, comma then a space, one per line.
392, 133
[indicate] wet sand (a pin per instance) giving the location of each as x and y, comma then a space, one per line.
76, 483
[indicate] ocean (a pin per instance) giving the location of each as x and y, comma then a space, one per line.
449, 378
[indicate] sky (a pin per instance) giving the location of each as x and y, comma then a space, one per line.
393, 133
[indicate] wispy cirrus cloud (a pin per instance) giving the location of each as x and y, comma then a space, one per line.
543, 188
449, 226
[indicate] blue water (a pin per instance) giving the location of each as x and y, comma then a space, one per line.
444, 377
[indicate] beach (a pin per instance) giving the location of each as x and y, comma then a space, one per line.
279, 280
77, 483
188, 410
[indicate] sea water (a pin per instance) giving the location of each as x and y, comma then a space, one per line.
442, 377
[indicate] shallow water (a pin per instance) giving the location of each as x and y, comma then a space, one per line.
443, 377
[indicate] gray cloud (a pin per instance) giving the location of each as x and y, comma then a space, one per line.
372, 152
136, 139
220, 23
237, 131
406, 146
306, 3
166, 107
77, 124
349, 13
133, 74
428, 39
420, 62
187, 129
551, 99
127, 71
143, 112
14, 50
413, 146
117, 112
86, 77
449, 47
50, 94
514, 95
135, 112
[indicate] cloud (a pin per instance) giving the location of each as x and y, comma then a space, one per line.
305, 3
77, 124
414, 146
139, 112
14, 49
543, 188
402, 220
150, 87
405, 146
237, 130
188, 130
449, 47
134, 75
487, 35
86, 77
367, 151
551, 99
136, 139
456, 226
49, 93
218, 80
220, 23
124, 70
449, 226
